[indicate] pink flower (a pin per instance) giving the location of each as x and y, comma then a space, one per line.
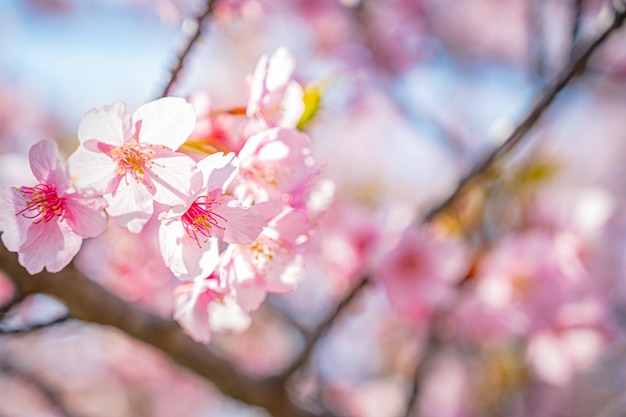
47, 223
275, 164
273, 262
529, 277
131, 159
189, 231
204, 305
421, 273
274, 96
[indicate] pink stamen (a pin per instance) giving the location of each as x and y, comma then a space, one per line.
200, 219
42, 204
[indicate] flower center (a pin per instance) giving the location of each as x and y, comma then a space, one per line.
42, 203
200, 219
133, 158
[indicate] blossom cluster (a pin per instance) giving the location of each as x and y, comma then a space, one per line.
234, 221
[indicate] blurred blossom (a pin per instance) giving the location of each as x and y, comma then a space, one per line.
130, 265
420, 274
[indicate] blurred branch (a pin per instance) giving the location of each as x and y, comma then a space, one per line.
89, 302
34, 327
48, 393
581, 53
194, 37
429, 352
537, 39
322, 328
271, 306
18, 297
577, 9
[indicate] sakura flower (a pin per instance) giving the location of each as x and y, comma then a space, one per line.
189, 231
529, 278
131, 159
205, 305
420, 273
275, 164
273, 262
274, 96
47, 223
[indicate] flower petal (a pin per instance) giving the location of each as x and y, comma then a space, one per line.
109, 125
13, 226
242, 225
172, 172
91, 170
218, 170
46, 165
131, 205
167, 121
85, 216
184, 256
51, 245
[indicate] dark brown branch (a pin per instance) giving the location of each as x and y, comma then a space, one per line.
52, 397
581, 52
88, 301
323, 327
191, 41
34, 327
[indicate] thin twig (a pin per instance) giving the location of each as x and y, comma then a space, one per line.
576, 65
323, 327
272, 306
537, 38
424, 361
34, 327
191, 41
577, 9
53, 397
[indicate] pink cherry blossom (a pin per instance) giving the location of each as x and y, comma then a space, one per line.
205, 305
274, 96
421, 272
189, 231
131, 159
529, 277
556, 357
275, 164
47, 223
273, 262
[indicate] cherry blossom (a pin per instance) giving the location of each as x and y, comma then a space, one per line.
189, 232
132, 159
46, 223
271, 263
529, 277
206, 305
275, 97
276, 164
420, 273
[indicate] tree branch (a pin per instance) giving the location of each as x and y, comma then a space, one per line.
322, 328
537, 38
34, 327
577, 9
88, 301
581, 52
18, 297
194, 37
